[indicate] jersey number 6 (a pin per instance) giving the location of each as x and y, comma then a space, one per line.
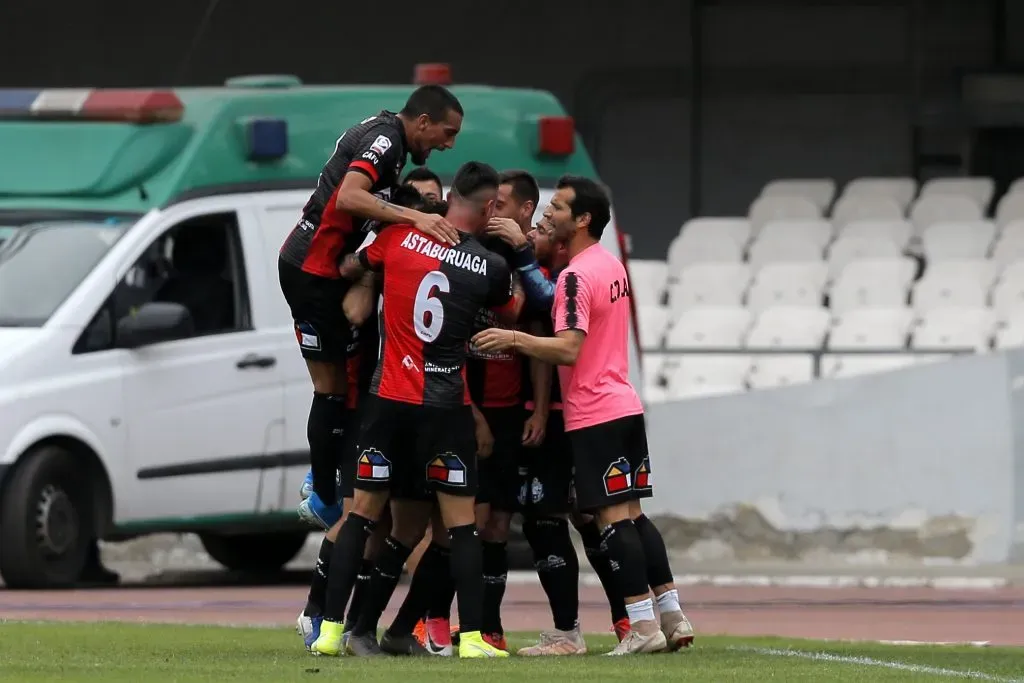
428, 313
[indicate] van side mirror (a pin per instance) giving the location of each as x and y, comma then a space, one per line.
153, 323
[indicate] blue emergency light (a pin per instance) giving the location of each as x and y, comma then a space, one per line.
266, 139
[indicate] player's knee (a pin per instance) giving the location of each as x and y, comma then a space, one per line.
328, 378
369, 504
409, 524
580, 519
636, 510
456, 510
612, 514
497, 527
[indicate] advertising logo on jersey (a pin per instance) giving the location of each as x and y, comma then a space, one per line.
409, 364
373, 466
307, 336
447, 468
618, 478
370, 156
381, 145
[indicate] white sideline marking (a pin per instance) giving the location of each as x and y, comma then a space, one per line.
881, 663
957, 583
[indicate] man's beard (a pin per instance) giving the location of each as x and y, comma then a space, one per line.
419, 158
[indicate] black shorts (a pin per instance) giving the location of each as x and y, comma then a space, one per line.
499, 474
414, 451
321, 328
545, 473
611, 463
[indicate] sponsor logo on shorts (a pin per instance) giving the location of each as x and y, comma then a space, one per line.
373, 466
307, 336
381, 144
447, 468
536, 491
643, 475
618, 478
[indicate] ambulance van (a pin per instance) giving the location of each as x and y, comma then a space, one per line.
149, 375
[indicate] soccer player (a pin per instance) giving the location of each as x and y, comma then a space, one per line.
426, 182
603, 414
350, 199
419, 424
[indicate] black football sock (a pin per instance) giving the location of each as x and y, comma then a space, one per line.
558, 568
659, 571
386, 574
325, 432
467, 571
359, 593
318, 584
433, 570
348, 553
495, 571
439, 604
600, 562
626, 552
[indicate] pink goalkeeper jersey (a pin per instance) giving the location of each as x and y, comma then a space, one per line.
592, 296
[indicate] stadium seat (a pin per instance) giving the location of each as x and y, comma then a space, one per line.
771, 371
900, 189
852, 208
872, 282
764, 210
958, 239
653, 323
782, 249
977, 189
698, 246
738, 229
1010, 208
647, 280
960, 327
1007, 251
1008, 292
710, 327
817, 232
898, 231
847, 249
656, 394
788, 284
1016, 186
963, 282
1010, 330
819, 191
845, 365
939, 207
709, 284
712, 370
872, 328
789, 327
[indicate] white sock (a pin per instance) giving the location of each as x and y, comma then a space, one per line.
640, 611
669, 602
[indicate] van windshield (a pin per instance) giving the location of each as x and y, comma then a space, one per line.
42, 262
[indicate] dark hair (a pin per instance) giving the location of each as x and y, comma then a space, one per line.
409, 197
592, 198
524, 186
439, 207
422, 173
433, 100
472, 177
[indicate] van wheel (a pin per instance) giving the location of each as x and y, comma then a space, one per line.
45, 521
254, 552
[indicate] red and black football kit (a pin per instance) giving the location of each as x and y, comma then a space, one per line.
310, 256
418, 422
360, 365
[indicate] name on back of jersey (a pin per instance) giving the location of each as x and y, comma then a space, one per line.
459, 259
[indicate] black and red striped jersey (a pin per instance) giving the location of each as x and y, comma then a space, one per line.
494, 377
432, 294
324, 234
548, 330
363, 349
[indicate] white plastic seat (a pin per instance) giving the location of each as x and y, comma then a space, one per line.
738, 229
961, 327
710, 327
872, 328
1010, 208
1007, 251
958, 240
938, 208
901, 189
872, 283
851, 208
709, 284
898, 231
838, 366
817, 232
781, 250
1012, 231
711, 369
766, 209
964, 282
647, 280
820, 191
978, 189
653, 323
848, 249
1010, 330
788, 284
769, 372
700, 246
1008, 292
789, 327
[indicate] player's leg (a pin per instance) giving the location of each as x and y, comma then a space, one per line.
362, 588
597, 556
442, 589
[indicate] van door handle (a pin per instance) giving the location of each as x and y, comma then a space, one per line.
256, 361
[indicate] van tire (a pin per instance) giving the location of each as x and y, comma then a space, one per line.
46, 520
259, 553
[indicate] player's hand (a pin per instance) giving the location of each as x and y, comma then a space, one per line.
494, 339
535, 429
507, 229
484, 439
437, 227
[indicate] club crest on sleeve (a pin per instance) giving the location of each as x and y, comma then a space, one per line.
373, 466
618, 478
643, 475
307, 336
381, 144
447, 468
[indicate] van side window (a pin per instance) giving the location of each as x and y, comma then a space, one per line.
197, 264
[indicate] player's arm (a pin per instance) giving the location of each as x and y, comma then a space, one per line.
358, 303
540, 377
505, 296
371, 258
539, 290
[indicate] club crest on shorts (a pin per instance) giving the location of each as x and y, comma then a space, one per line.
447, 468
373, 466
643, 475
618, 478
307, 336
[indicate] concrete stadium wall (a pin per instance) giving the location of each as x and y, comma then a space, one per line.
922, 466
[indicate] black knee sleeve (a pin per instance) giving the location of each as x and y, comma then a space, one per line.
626, 553
325, 430
659, 572
557, 566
